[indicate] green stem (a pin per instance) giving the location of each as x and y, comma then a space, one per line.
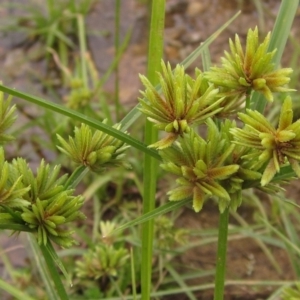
79, 173
150, 165
42, 268
221, 255
54, 273
14, 291
50, 8
248, 100
117, 46
82, 42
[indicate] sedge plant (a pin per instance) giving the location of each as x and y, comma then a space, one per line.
216, 163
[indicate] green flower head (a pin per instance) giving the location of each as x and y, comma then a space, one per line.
94, 150
12, 188
252, 69
183, 102
52, 205
271, 147
103, 261
201, 166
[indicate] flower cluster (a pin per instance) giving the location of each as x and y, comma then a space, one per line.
41, 203
94, 150
228, 159
51, 204
201, 166
11, 186
271, 147
184, 102
102, 261
252, 69
106, 259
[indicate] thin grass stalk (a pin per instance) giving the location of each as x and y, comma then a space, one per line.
63, 55
278, 41
117, 46
206, 59
54, 273
8, 267
76, 177
223, 222
221, 255
155, 54
82, 43
50, 8
180, 281
42, 268
133, 272
290, 230
14, 291
82, 118
259, 242
208, 286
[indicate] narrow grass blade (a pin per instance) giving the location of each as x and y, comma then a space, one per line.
221, 255
170, 206
206, 60
290, 230
283, 237
53, 261
76, 177
177, 277
292, 203
133, 272
40, 264
14, 291
82, 43
117, 42
84, 119
195, 54
278, 41
155, 54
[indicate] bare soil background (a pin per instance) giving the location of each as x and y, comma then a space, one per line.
188, 23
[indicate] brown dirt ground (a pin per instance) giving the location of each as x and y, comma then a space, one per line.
188, 22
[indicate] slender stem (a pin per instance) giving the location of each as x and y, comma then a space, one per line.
82, 42
248, 100
155, 54
117, 46
54, 273
14, 291
50, 8
42, 268
79, 173
221, 255
133, 272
